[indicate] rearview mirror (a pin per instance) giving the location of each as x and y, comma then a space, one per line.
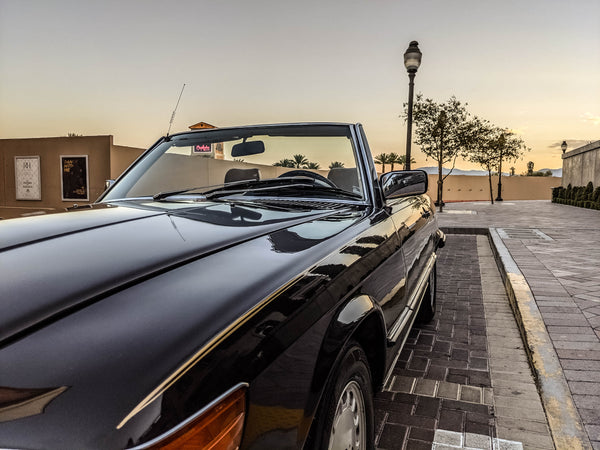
248, 148
403, 183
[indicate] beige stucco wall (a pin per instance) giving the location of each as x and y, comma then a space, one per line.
474, 188
105, 161
121, 158
96, 148
582, 165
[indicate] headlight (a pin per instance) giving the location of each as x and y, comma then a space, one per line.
219, 426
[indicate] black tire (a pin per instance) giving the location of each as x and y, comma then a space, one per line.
349, 389
428, 304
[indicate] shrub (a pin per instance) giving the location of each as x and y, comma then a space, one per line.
581, 196
589, 191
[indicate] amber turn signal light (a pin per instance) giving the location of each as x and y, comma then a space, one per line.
218, 428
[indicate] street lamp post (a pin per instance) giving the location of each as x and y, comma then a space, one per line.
412, 61
563, 146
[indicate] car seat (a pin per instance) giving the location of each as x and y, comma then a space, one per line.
242, 175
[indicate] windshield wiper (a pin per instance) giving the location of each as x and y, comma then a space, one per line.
236, 186
306, 184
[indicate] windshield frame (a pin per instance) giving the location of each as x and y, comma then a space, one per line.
318, 129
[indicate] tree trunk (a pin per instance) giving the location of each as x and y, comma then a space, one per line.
490, 180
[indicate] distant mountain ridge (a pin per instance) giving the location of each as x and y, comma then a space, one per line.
480, 173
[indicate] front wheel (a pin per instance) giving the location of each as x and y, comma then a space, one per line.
347, 411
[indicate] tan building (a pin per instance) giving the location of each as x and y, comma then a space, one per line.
582, 165
40, 175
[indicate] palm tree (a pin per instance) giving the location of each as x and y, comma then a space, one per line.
393, 158
336, 165
401, 161
300, 161
383, 159
312, 165
285, 163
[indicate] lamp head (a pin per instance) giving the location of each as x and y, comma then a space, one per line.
564, 146
412, 57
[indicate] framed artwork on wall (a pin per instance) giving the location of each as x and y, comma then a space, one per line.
74, 177
28, 180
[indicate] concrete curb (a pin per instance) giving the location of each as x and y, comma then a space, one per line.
564, 421
565, 424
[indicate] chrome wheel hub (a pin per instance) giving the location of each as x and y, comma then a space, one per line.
349, 423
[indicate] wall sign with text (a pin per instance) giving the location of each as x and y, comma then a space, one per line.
74, 177
27, 178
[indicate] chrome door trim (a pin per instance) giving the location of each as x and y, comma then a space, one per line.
413, 303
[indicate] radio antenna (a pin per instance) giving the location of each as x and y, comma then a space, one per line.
175, 110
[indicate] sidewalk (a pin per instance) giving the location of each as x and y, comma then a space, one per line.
555, 250
463, 380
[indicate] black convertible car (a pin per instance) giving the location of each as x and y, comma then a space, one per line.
241, 287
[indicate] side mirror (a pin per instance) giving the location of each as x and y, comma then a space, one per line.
403, 183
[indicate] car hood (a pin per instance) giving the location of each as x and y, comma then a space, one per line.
96, 316
60, 263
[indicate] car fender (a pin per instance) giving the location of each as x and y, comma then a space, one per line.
359, 318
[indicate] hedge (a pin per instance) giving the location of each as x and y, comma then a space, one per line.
581, 196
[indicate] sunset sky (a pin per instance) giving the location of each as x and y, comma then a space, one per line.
117, 67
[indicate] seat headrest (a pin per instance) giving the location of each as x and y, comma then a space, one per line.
346, 179
242, 175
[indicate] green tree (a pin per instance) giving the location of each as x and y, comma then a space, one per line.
393, 158
495, 145
336, 165
512, 171
530, 168
486, 152
444, 131
300, 161
508, 147
383, 159
401, 161
312, 165
285, 163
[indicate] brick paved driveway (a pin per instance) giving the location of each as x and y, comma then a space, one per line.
557, 248
459, 377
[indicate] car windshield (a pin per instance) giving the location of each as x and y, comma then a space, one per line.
270, 161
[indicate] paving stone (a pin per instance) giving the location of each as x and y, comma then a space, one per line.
451, 420
449, 438
403, 384
478, 441
448, 390
425, 387
421, 434
584, 387
418, 445
392, 434
470, 394
503, 444
427, 407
